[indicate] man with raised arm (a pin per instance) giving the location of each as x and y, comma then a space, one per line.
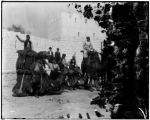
27, 42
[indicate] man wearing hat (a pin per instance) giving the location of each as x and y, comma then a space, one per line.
87, 46
57, 56
27, 42
51, 56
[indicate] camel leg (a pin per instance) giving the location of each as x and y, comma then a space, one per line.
68, 81
106, 76
97, 85
92, 82
88, 80
41, 82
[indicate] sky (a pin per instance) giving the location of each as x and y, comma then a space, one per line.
32, 16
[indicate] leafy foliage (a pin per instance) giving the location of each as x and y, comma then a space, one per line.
124, 22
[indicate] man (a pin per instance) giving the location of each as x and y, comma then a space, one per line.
64, 61
72, 63
54, 67
57, 56
27, 42
87, 46
27, 48
51, 56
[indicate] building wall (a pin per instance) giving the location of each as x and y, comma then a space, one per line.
74, 30
54, 29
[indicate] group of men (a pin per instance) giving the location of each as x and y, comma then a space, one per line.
60, 61
56, 58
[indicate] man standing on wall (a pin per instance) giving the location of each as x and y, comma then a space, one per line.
51, 56
27, 42
57, 56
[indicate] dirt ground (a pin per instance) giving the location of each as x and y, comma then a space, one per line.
70, 102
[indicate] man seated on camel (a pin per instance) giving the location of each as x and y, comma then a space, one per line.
87, 47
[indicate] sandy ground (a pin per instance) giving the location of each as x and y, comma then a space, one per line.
47, 107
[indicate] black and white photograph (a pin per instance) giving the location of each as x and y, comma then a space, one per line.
74, 60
